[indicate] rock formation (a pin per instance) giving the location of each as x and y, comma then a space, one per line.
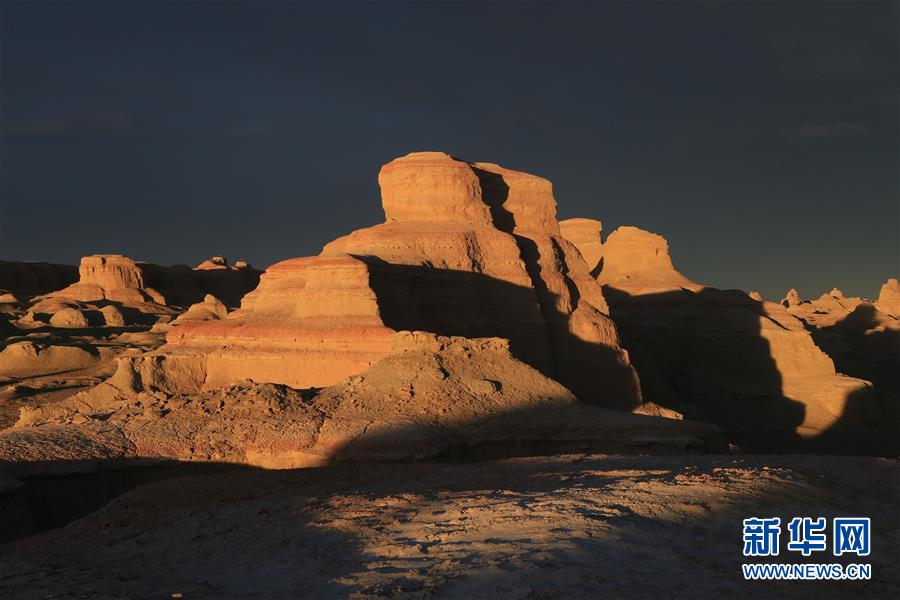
889, 298
429, 395
69, 318
791, 299
118, 307
112, 316
826, 310
467, 249
586, 235
27, 359
211, 309
228, 283
115, 278
35, 278
148, 287
629, 257
720, 355
863, 340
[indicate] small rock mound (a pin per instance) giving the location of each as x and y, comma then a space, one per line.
69, 318
28, 359
112, 316
211, 309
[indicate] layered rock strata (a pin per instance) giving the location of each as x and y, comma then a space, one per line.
467, 249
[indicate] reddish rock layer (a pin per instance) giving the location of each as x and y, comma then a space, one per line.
310, 323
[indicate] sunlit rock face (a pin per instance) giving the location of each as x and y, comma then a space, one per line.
639, 260
586, 234
722, 355
467, 249
863, 339
112, 277
146, 287
889, 298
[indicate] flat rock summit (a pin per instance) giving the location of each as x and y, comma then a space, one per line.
471, 324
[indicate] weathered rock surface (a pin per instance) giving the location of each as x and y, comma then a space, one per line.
468, 249
112, 316
586, 234
69, 318
429, 396
724, 357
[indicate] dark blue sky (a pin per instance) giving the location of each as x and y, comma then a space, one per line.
760, 138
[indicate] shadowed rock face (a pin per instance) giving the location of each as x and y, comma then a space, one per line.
467, 249
721, 355
35, 278
863, 340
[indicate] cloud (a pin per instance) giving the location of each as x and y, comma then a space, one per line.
827, 130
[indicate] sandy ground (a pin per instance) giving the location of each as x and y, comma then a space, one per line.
537, 528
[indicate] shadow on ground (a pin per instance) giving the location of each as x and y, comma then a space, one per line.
563, 527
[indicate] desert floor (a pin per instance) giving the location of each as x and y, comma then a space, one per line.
546, 527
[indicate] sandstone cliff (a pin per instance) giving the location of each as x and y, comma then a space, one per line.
721, 355
467, 249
